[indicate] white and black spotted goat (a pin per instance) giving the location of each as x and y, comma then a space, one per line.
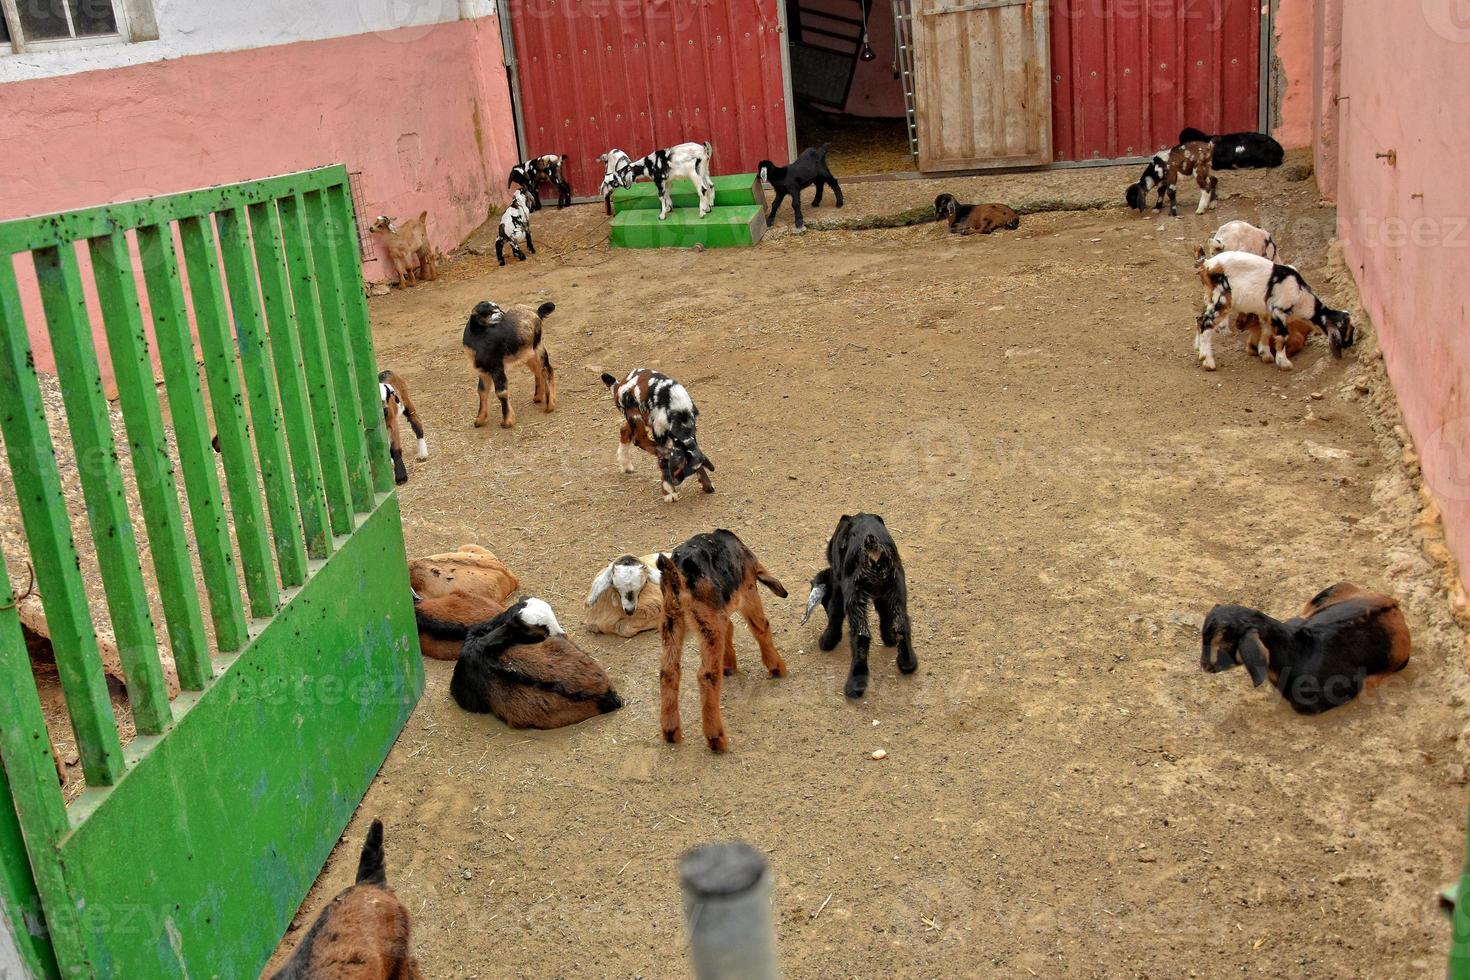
529, 174
515, 227
1249, 285
659, 418
691, 160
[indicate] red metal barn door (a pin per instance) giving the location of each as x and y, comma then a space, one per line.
643, 74
1127, 75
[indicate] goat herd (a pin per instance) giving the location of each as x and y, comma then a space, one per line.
516, 661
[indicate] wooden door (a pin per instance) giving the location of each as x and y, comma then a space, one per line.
983, 97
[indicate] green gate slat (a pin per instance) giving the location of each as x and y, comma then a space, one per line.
339, 350
191, 434
223, 372
285, 346
260, 386
48, 534
97, 463
123, 319
359, 328
320, 390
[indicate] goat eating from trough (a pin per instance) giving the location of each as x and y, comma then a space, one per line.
395, 403
789, 181
1346, 640
496, 340
659, 417
863, 565
626, 597
968, 219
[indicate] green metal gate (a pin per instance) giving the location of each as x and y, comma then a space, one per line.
191, 847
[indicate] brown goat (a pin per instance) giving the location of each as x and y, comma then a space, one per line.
404, 243
396, 403
706, 580
968, 219
1296, 337
496, 340
444, 621
626, 598
363, 934
470, 569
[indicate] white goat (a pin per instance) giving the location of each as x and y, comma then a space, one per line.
691, 160
1242, 236
1248, 285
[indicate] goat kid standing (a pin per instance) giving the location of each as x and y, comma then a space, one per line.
1163, 172
1248, 285
496, 340
691, 160
789, 181
529, 174
659, 418
406, 243
395, 403
515, 227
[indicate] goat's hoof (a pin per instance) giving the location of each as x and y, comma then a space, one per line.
670, 498
1209, 364
627, 467
719, 743
908, 666
729, 671
507, 423
673, 735
856, 687
1283, 363
828, 643
479, 423
779, 670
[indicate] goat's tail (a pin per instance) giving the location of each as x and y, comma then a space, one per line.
370, 866
608, 379
769, 581
709, 150
545, 310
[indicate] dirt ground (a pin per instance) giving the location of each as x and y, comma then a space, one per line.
1065, 792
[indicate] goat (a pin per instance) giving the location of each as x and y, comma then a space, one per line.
1238, 150
691, 160
363, 934
1245, 284
496, 340
1163, 172
626, 597
405, 242
395, 403
789, 181
1346, 640
863, 564
529, 174
659, 418
515, 227
471, 569
966, 219
706, 580
1242, 236
521, 667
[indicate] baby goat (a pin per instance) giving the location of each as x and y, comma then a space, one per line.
363, 934
395, 403
496, 340
1242, 236
691, 160
863, 565
659, 418
444, 621
521, 667
1346, 640
1163, 172
1245, 284
406, 243
515, 227
1238, 150
966, 219
470, 569
626, 597
706, 580
789, 181
530, 173
617, 172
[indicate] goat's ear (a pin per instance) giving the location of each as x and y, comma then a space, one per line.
654, 575
1255, 656
600, 584
668, 571
1199, 256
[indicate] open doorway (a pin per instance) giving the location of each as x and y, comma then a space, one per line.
846, 84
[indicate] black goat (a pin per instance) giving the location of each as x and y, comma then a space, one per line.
863, 564
1345, 640
789, 181
497, 339
1238, 150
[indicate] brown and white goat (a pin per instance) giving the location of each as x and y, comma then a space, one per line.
1163, 172
706, 580
363, 934
471, 569
407, 242
626, 597
496, 340
974, 219
396, 403
1244, 285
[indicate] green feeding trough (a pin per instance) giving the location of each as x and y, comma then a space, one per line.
737, 219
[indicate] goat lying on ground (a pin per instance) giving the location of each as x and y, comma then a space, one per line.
471, 569
966, 219
659, 418
1244, 285
1346, 639
626, 597
706, 580
1238, 150
515, 227
363, 934
789, 181
1163, 172
406, 242
862, 565
395, 403
529, 174
691, 160
521, 667
497, 340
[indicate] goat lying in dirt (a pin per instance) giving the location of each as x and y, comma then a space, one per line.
1346, 640
659, 418
626, 597
863, 565
397, 403
364, 934
705, 581
1238, 150
521, 667
407, 242
968, 219
444, 621
471, 569
495, 341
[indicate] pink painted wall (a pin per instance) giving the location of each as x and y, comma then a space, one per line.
424, 113
1406, 225
1326, 70
1294, 71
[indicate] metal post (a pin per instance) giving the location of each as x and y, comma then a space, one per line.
727, 912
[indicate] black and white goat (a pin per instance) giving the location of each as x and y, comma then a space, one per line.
1248, 285
691, 160
789, 181
396, 403
1238, 150
617, 172
515, 227
863, 565
1163, 172
551, 168
659, 418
